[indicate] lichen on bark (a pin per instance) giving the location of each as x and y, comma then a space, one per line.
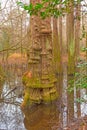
40, 81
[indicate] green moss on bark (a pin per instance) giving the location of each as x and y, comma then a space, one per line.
40, 89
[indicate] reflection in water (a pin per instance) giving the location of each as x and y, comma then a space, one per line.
49, 117
42, 117
70, 98
39, 117
11, 118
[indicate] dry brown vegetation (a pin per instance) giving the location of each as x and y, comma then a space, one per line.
17, 58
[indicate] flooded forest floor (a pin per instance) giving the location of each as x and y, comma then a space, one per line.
11, 92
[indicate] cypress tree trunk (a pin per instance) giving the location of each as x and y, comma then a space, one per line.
40, 81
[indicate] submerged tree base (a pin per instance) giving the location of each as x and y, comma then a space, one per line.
37, 91
2, 75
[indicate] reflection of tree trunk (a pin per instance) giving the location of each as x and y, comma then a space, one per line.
70, 99
1, 89
41, 117
86, 56
60, 98
78, 96
78, 104
57, 43
86, 46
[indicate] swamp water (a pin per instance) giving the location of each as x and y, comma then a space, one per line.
39, 117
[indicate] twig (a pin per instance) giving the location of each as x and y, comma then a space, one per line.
12, 47
11, 91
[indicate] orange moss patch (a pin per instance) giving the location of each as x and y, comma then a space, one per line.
17, 58
83, 55
17, 55
28, 74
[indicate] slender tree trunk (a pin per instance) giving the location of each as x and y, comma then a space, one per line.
70, 42
86, 56
57, 56
60, 33
77, 32
86, 46
77, 50
71, 60
56, 48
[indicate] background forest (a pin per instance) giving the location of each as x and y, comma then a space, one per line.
43, 58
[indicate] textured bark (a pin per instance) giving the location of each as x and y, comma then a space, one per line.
56, 48
40, 80
57, 57
70, 40
77, 50
77, 32
60, 33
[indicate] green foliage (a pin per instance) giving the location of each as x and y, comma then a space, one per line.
80, 78
0, 5
48, 7
84, 49
80, 100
